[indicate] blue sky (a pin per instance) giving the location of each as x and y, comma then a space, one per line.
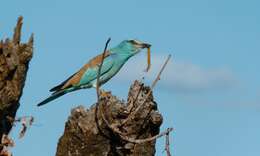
210, 91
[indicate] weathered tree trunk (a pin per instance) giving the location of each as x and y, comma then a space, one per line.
14, 60
82, 136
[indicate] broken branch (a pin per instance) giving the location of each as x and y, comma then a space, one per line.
150, 91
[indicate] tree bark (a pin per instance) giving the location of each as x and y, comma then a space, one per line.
14, 61
87, 134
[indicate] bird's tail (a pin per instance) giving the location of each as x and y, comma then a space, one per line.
53, 97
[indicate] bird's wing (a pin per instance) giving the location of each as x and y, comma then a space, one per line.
89, 71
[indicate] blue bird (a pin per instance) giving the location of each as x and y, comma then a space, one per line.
86, 77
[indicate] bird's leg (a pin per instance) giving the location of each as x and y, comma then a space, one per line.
101, 92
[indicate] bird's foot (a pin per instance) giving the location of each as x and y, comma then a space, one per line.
103, 93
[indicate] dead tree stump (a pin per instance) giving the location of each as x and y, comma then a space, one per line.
14, 60
87, 134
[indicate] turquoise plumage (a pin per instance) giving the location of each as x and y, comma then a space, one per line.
86, 77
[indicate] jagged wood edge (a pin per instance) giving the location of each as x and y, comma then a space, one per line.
115, 129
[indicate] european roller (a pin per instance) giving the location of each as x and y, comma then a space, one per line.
86, 77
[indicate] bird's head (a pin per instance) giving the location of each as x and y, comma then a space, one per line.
128, 48
131, 46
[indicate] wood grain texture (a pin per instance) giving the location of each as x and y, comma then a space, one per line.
82, 137
14, 60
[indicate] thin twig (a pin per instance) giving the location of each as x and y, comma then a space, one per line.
159, 74
150, 91
139, 141
132, 140
167, 144
100, 66
19, 119
113, 128
26, 121
98, 86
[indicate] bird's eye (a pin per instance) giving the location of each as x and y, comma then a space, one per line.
132, 41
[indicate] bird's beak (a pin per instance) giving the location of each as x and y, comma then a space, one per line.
146, 45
